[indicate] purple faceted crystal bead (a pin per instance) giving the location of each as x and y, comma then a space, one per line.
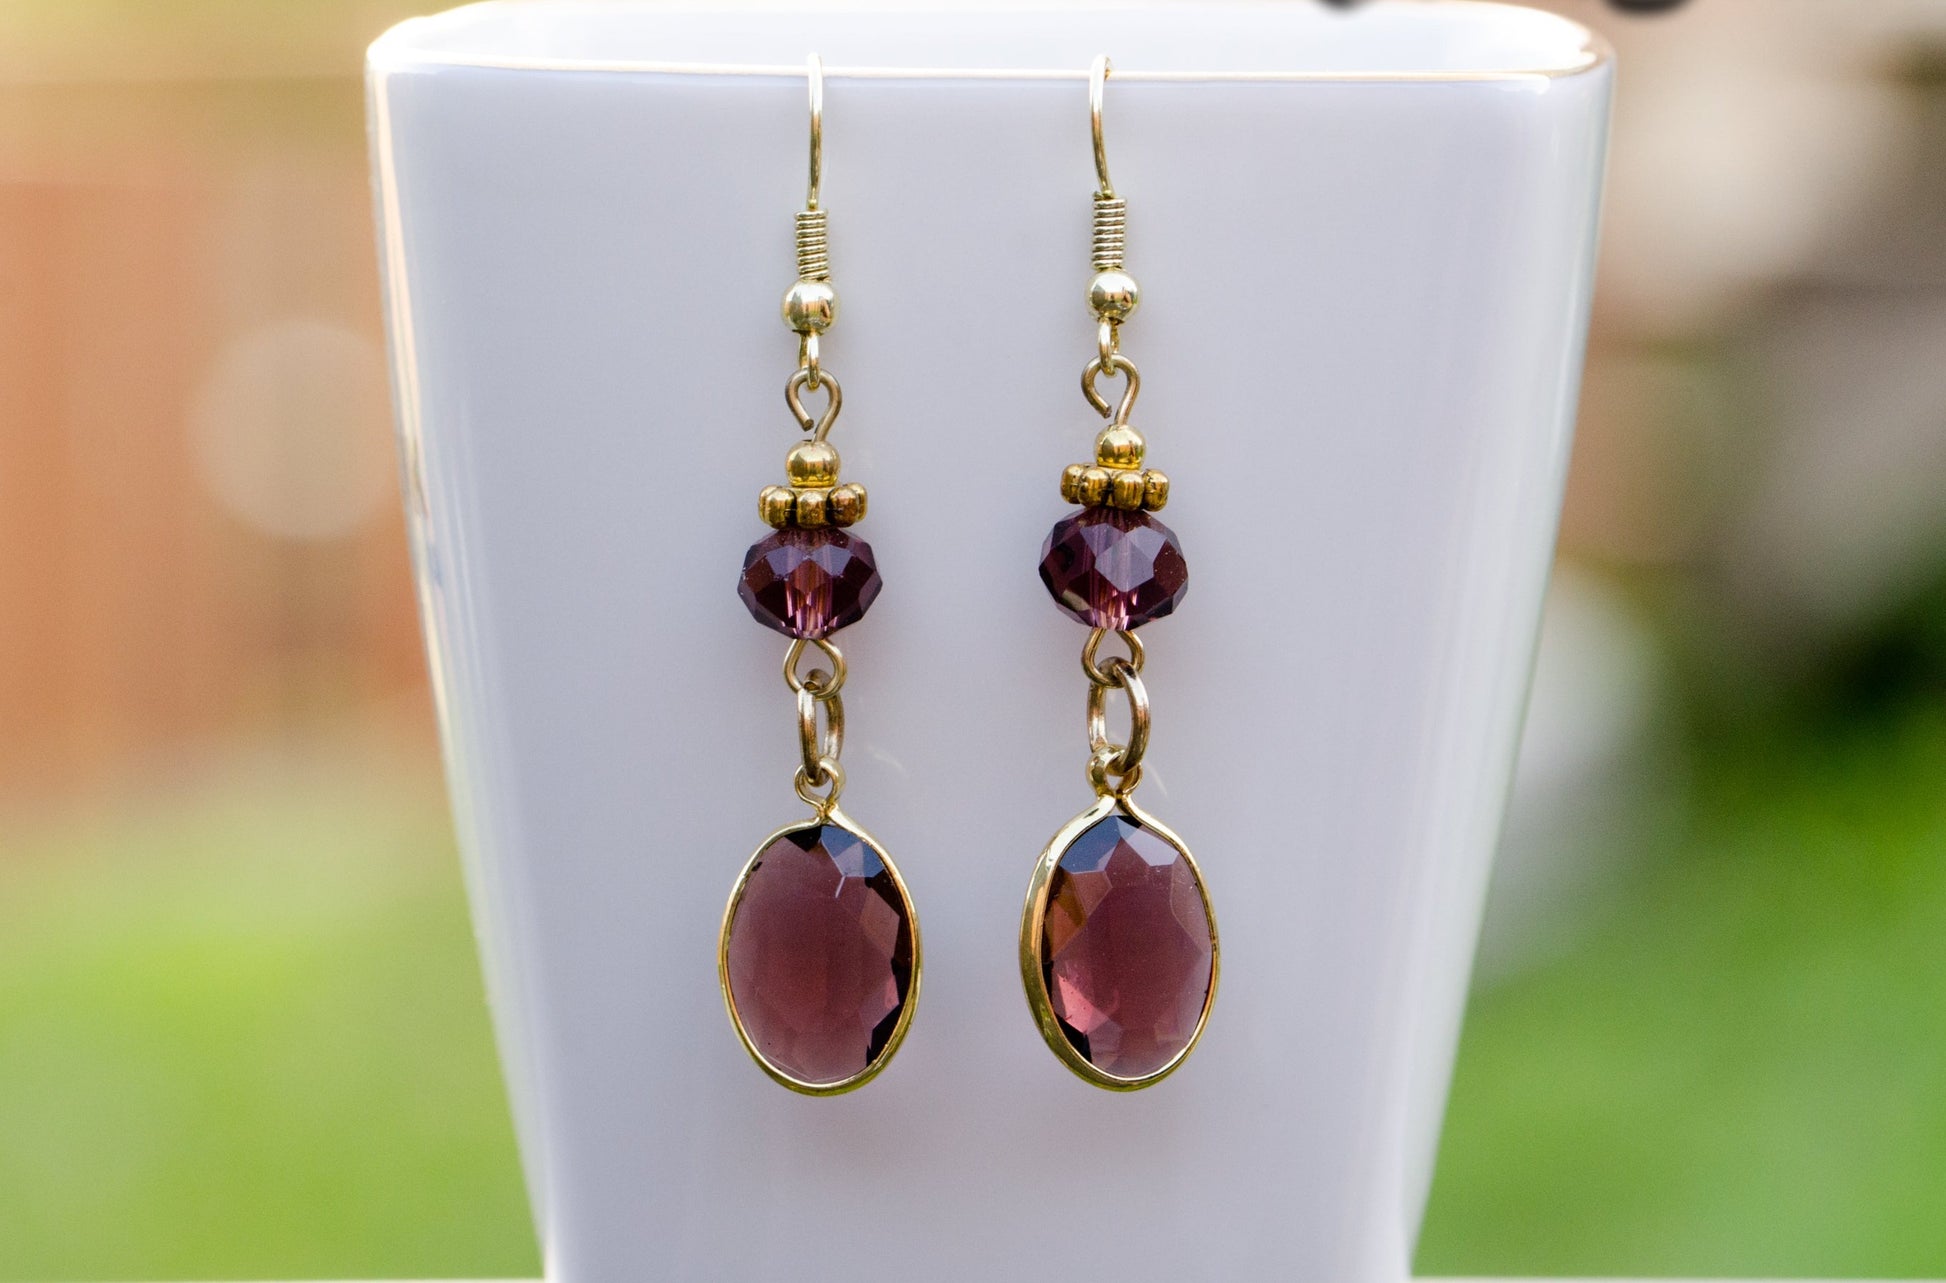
1127, 949
821, 954
809, 583
1111, 568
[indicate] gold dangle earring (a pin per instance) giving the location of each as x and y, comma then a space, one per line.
1118, 943
819, 952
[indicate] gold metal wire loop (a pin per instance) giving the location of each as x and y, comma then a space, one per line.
818, 682
1108, 338
817, 745
1097, 90
807, 361
1101, 767
1124, 758
819, 425
814, 76
830, 777
1115, 363
1099, 672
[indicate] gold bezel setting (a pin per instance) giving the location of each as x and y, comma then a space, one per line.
1033, 919
838, 818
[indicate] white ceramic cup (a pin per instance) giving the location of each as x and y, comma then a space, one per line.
1365, 242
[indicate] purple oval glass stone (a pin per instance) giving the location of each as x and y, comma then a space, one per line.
820, 954
809, 583
1111, 568
1127, 949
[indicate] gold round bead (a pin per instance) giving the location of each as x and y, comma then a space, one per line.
810, 306
1125, 490
1071, 482
811, 508
1114, 295
774, 505
1119, 446
812, 463
845, 504
1155, 490
1093, 486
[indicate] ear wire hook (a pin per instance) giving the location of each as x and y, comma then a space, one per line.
1097, 90
1112, 294
814, 76
811, 305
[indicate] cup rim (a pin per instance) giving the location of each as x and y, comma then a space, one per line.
434, 41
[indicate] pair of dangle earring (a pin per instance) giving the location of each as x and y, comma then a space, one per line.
819, 953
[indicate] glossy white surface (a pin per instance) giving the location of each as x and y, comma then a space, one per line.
1365, 298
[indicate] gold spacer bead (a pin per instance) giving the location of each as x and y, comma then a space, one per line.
845, 504
1119, 446
1125, 490
1071, 481
1155, 490
810, 307
1113, 295
774, 505
812, 463
1093, 487
811, 509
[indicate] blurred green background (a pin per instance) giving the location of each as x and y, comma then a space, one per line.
241, 1024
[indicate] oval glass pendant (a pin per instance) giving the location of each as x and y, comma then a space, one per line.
819, 956
1118, 947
